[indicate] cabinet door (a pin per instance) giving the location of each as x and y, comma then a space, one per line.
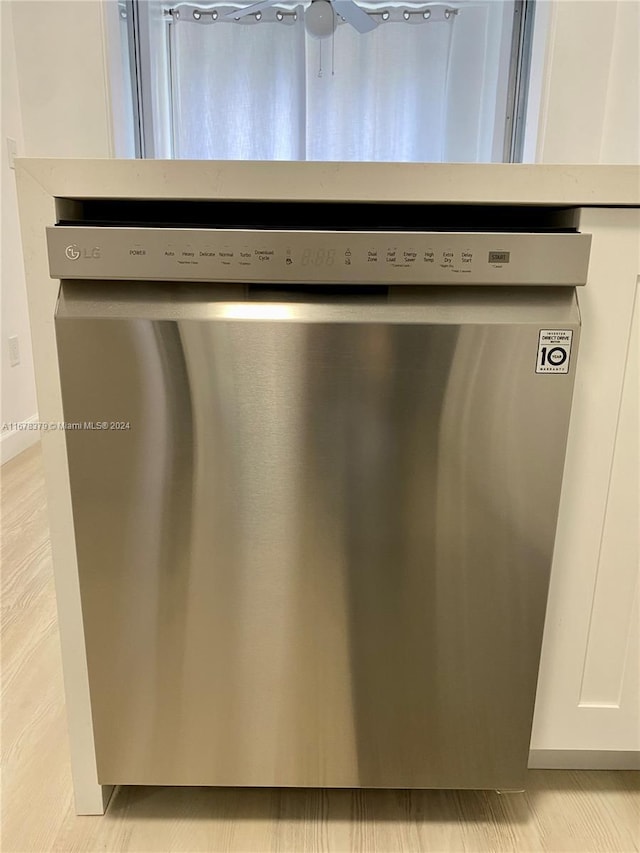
589, 693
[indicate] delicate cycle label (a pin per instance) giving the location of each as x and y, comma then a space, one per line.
554, 350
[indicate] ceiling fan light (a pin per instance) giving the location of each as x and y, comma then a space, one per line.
319, 19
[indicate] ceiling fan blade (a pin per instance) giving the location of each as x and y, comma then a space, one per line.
354, 15
250, 10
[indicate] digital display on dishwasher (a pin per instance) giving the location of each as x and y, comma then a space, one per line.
318, 257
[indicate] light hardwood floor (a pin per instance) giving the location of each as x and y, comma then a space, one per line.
561, 810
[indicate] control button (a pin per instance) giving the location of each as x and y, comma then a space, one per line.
372, 256
467, 257
499, 257
137, 251
429, 257
187, 255
264, 255
409, 256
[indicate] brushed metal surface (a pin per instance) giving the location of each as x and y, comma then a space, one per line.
354, 257
319, 555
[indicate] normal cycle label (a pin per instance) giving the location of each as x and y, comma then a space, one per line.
554, 350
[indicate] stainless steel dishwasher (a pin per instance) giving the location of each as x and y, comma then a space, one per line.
315, 475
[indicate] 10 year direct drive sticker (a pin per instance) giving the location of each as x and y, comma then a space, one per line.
554, 350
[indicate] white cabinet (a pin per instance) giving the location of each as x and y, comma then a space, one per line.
589, 686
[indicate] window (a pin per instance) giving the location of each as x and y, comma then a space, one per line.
398, 81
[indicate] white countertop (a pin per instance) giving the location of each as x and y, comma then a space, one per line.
436, 183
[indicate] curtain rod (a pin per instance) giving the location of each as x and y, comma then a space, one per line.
287, 13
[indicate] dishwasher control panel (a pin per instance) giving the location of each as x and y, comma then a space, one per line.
322, 257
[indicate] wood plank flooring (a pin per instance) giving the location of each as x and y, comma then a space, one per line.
561, 811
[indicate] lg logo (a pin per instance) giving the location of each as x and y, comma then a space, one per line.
73, 252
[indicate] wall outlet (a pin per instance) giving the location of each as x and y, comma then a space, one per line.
12, 151
14, 351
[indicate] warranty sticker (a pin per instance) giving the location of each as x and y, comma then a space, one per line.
554, 350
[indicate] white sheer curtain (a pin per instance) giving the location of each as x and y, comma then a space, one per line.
386, 99
239, 91
253, 92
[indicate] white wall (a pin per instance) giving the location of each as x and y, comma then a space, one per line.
18, 395
587, 82
62, 78
55, 103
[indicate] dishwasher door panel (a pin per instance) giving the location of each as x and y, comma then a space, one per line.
311, 553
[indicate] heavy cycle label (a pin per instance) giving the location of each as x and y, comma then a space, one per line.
554, 350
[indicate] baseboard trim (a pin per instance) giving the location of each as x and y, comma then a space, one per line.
14, 441
584, 759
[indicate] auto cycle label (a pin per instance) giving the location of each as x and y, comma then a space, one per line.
554, 350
